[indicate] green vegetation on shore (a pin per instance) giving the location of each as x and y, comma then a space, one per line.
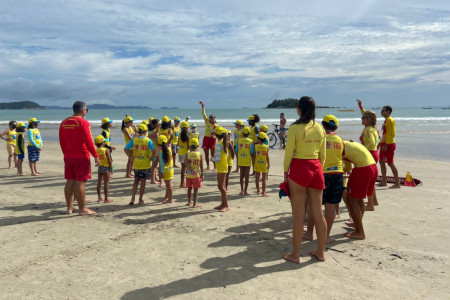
288, 103
21, 105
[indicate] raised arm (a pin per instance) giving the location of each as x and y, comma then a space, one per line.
361, 108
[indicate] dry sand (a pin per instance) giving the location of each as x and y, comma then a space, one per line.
170, 251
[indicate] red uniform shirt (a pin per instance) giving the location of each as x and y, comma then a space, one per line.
75, 138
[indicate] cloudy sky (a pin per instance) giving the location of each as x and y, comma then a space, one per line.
229, 53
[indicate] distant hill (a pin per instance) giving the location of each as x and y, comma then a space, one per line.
21, 105
288, 103
164, 107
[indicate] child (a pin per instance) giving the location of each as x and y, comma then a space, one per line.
223, 147
10, 139
262, 163
106, 133
237, 135
166, 167
20, 147
174, 141
229, 160
153, 128
139, 148
183, 148
194, 133
129, 131
194, 171
244, 150
104, 167
34, 145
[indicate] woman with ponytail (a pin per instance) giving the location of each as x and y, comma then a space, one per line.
166, 167
183, 149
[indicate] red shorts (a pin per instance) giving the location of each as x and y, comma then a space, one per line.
388, 155
195, 183
208, 142
362, 181
77, 168
375, 155
307, 173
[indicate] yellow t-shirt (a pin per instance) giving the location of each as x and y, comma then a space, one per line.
388, 131
252, 135
370, 138
103, 159
193, 159
130, 130
168, 167
183, 147
237, 135
229, 160
193, 135
107, 133
221, 158
12, 134
244, 152
333, 160
261, 153
305, 141
176, 133
23, 143
141, 153
208, 126
164, 132
357, 154
36, 136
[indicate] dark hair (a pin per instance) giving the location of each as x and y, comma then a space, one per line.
262, 140
167, 125
32, 125
307, 108
165, 152
11, 123
152, 124
224, 137
105, 126
256, 120
78, 106
184, 135
123, 125
388, 108
328, 126
20, 129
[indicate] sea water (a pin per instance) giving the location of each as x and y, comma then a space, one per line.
421, 133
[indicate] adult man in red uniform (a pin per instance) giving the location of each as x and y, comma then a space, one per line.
76, 143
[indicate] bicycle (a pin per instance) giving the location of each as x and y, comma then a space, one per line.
274, 137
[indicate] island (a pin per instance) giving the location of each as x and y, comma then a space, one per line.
289, 103
164, 107
21, 105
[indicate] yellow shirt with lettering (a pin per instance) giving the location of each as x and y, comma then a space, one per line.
333, 160
357, 154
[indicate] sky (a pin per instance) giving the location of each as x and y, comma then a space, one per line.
230, 54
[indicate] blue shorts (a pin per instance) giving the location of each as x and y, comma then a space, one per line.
20, 156
33, 153
332, 194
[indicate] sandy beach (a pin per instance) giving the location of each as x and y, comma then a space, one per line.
171, 251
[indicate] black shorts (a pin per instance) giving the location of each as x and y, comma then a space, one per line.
332, 194
141, 173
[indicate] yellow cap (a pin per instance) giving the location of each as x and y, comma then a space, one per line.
176, 119
99, 139
128, 119
264, 128
330, 119
238, 122
251, 118
142, 128
162, 139
150, 119
106, 120
194, 125
246, 130
21, 124
33, 120
184, 124
262, 136
144, 122
229, 131
193, 143
219, 131
165, 119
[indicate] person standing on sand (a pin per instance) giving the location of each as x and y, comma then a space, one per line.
282, 130
76, 143
303, 159
9, 136
387, 147
209, 141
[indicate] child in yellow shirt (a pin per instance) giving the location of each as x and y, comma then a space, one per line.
262, 163
104, 168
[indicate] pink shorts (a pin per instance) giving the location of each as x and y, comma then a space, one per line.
375, 155
195, 183
361, 182
208, 142
77, 168
388, 155
307, 173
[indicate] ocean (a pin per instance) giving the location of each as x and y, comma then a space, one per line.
421, 133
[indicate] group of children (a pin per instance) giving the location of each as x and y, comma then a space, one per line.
15, 145
153, 145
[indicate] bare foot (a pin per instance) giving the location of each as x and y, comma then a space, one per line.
196, 205
369, 208
228, 191
241, 193
337, 216
382, 184
207, 168
100, 199
87, 212
22, 174
189, 203
163, 200
329, 240
39, 172
142, 202
350, 224
34, 174
247, 194
70, 210
183, 185
162, 184
319, 255
108, 201
131, 203
265, 195
153, 182
129, 176
289, 257
395, 186
10, 168
235, 171
218, 207
258, 193
355, 235
168, 201
308, 237
224, 209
